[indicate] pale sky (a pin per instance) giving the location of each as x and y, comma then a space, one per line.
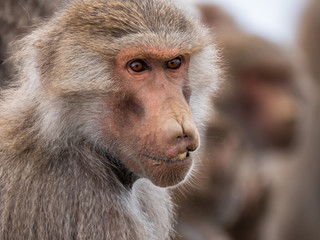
275, 20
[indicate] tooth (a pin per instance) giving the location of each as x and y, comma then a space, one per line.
182, 156
156, 163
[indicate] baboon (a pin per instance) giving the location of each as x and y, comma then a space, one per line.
263, 94
105, 111
16, 17
296, 215
261, 76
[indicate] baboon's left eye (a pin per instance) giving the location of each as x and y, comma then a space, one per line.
174, 63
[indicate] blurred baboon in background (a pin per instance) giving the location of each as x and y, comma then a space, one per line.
261, 87
296, 214
249, 143
262, 95
16, 17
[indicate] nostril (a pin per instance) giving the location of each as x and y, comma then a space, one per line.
180, 138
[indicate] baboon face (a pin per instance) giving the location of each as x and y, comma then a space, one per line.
268, 105
151, 118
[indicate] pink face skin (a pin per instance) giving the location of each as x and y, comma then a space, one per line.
152, 119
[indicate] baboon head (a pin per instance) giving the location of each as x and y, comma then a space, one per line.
130, 78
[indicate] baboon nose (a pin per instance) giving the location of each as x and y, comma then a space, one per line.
183, 135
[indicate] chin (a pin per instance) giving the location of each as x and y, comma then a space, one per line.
167, 173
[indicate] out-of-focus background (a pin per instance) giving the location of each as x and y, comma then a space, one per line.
259, 178
260, 173
275, 20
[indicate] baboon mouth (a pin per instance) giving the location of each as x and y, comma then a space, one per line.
182, 157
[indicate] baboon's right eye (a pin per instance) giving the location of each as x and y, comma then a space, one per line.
138, 65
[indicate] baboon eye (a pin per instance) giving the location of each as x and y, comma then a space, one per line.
138, 66
174, 63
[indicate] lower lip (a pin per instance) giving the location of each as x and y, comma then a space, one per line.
185, 161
